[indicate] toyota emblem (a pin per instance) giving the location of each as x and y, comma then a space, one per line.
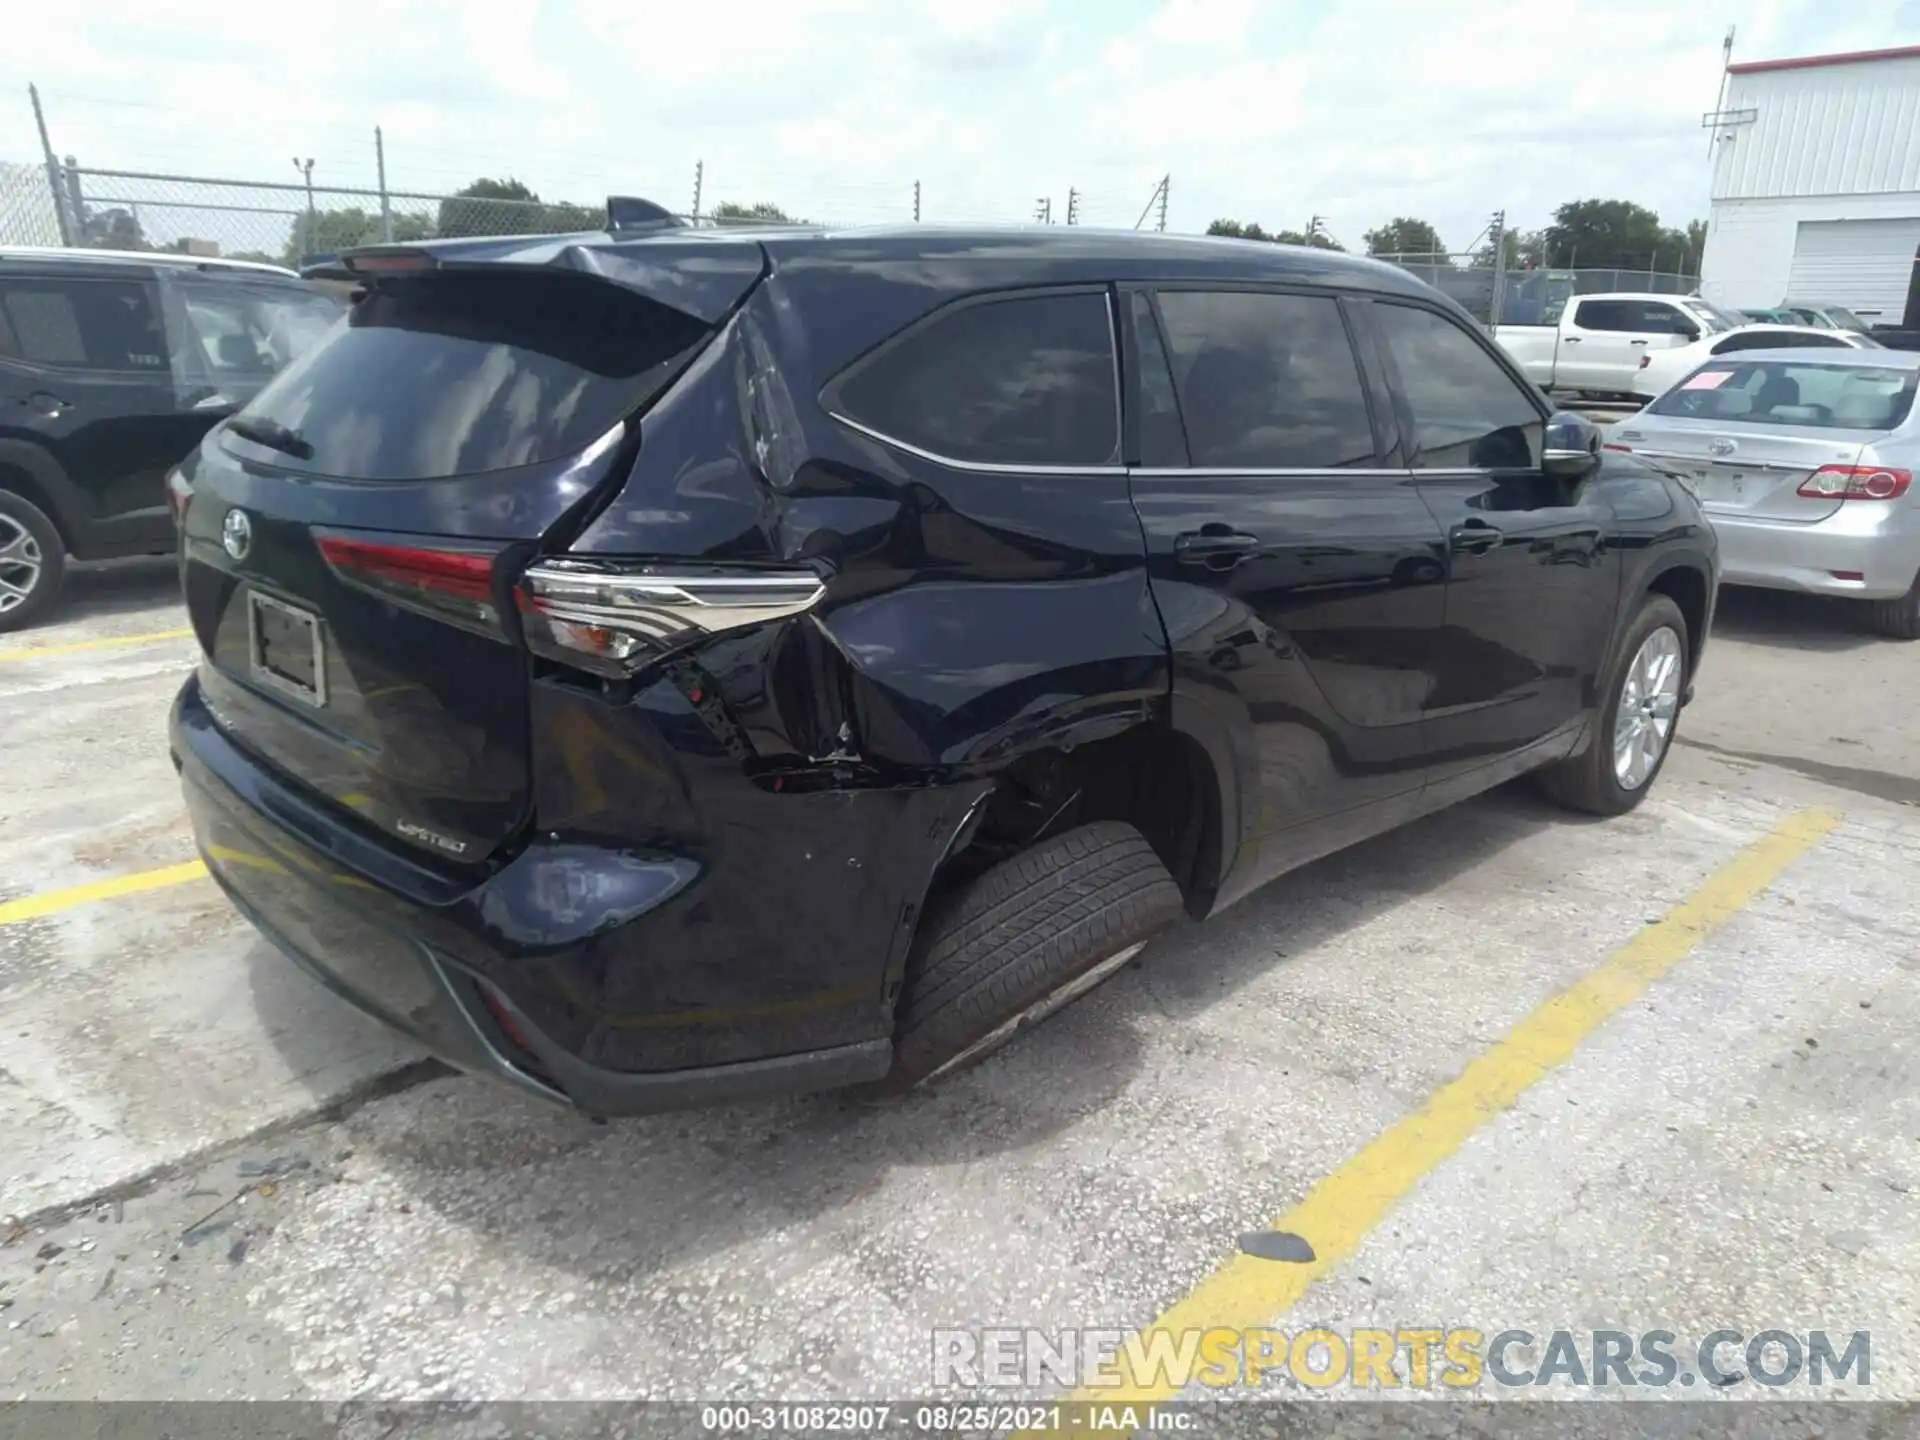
1722, 447
236, 534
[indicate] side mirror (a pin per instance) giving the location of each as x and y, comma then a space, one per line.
1572, 451
1687, 333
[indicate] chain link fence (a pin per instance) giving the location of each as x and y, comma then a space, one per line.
280, 224
1527, 295
27, 212
288, 224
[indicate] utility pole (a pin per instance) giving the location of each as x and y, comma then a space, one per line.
386, 206
1720, 105
1043, 210
699, 179
305, 167
1497, 237
68, 225
1166, 184
1073, 206
1313, 228
916, 202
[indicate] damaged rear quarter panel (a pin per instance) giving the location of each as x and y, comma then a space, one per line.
970, 617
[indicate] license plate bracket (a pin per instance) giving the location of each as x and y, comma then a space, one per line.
1720, 487
284, 652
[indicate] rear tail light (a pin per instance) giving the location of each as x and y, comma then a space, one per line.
1856, 482
1645, 360
1613, 445
453, 585
612, 618
179, 496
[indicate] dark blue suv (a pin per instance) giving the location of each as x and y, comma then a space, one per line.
666, 665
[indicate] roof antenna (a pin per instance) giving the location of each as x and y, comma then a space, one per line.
630, 212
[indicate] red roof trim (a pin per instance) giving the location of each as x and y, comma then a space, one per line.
1808, 62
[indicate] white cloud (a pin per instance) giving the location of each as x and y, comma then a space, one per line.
1355, 111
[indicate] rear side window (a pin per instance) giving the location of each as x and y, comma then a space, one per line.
1027, 380
1826, 397
1468, 413
453, 374
249, 328
82, 324
1266, 382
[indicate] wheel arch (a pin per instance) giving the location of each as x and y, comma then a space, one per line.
1687, 582
1157, 776
34, 475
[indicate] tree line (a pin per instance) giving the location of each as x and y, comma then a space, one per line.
1598, 234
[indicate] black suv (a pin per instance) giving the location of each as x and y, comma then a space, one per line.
666, 666
112, 366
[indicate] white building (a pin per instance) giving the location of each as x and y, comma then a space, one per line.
1816, 184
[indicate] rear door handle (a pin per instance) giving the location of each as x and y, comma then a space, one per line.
1473, 537
1637, 342
1215, 546
1569, 339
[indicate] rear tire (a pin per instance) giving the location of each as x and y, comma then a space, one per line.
33, 562
1022, 940
1897, 619
1591, 782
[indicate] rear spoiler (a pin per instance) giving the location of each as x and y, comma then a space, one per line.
645, 249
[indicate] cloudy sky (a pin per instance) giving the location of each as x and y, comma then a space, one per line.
1268, 110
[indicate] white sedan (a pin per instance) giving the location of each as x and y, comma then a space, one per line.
1661, 370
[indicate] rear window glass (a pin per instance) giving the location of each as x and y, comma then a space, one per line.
1024, 381
454, 374
1828, 397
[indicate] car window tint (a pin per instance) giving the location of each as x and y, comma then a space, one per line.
1266, 381
1021, 381
1162, 441
1467, 411
453, 374
1603, 315
82, 324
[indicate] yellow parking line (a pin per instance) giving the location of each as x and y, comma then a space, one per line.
1339, 1213
32, 907
112, 642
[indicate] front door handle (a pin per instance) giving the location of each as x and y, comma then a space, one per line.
45, 401
1569, 339
1473, 537
1215, 546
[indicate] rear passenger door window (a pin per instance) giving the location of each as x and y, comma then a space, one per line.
1467, 412
1266, 381
77, 324
1026, 380
1610, 315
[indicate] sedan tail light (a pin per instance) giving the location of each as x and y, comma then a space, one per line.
1856, 482
613, 618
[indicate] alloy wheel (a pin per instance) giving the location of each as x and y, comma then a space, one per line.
21, 564
1649, 704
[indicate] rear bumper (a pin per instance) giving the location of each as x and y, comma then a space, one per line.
1879, 543
444, 960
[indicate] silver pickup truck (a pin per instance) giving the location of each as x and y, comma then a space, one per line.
1596, 342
